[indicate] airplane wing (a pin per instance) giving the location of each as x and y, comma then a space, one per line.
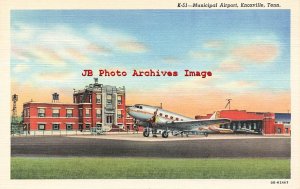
192, 125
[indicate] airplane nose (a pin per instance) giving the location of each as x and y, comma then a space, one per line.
128, 109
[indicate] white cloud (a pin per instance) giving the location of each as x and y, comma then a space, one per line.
19, 68
60, 44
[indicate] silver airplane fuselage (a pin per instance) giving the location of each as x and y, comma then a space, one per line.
146, 112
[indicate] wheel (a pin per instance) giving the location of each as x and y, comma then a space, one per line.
164, 134
146, 133
205, 134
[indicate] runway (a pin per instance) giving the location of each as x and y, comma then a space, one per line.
137, 146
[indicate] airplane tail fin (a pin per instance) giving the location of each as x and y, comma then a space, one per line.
214, 116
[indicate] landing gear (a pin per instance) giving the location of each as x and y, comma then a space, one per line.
205, 134
146, 132
154, 131
165, 134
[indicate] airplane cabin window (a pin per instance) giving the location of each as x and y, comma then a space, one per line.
171, 117
177, 119
166, 115
160, 114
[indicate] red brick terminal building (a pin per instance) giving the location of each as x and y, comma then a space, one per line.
104, 106
260, 122
96, 105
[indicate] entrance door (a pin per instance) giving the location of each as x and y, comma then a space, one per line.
278, 130
109, 119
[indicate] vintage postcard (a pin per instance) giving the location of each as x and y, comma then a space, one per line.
150, 94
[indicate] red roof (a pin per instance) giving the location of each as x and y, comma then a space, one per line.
240, 115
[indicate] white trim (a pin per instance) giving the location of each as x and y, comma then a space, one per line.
55, 117
56, 122
60, 103
70, 123
56, 108
69, 108
42, 123
41, 107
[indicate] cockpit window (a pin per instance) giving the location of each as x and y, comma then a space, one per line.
137, 106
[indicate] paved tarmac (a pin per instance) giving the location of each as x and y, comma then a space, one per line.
122, 146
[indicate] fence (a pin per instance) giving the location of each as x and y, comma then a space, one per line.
92, 131
53, 132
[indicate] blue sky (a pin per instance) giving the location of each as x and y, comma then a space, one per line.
247, 50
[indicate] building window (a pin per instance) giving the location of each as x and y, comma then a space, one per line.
55, 126
98, 98
41, 112
87, 112
98, 113
69, 126
90, 98
87, 126
41, 126
55, 113
119, 100
119, 114
287, 130
108, 99
99, 125
80, 113
69, 113
26, 112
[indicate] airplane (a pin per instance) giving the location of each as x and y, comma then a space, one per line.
154, 118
